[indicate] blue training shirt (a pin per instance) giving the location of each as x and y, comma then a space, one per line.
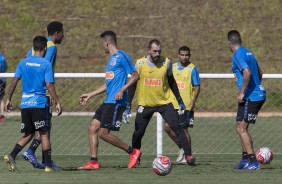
118, 67
3, 66
241, 59
34, 71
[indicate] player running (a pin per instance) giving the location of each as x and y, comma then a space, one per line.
108, 116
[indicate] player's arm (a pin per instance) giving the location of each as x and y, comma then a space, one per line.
246, 79
50, 54
196, 85
51, 89
85, 97
260, 73
12, 89
132, 80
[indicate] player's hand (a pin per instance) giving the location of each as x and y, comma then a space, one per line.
119, 95
126, 114
240, 97
84, 98
59, 109
8, 106
181, 109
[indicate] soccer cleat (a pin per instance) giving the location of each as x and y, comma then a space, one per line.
134, 158
252, 166
48, 169
241, 164
190, 160
8, 159
181, 156
30, 157
53, 166
92, 164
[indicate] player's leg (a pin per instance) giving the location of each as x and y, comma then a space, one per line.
28, 130
93, 129
2, 104
111, 120
143, 117
250, 111
170, 115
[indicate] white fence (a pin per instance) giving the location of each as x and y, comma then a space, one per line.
213, 133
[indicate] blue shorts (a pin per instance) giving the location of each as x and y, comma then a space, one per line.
110, 116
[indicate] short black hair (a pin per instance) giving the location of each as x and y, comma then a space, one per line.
54, 27
109, 35
39, 43
153, 41
234, 37
184, 48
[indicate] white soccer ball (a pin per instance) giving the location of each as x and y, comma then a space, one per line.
161, 165
264, 155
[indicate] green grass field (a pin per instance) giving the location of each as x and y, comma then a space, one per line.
70, 148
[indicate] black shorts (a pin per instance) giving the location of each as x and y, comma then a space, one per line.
187, 119
49, 107
110, 116
144, 114
248, 111
2, 89
34, 119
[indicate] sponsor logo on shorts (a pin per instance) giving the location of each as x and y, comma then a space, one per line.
252, 116
22, 126
110, 75
118, 124
152, 82
39, 124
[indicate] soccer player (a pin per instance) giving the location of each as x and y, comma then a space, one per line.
37, 76
108, 116
55, 36
3, 68
154, 88
250, 98
187, 77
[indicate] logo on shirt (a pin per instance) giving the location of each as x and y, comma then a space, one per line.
110, 75
152, 82
180, 85
28, 95
113, 61
33, 64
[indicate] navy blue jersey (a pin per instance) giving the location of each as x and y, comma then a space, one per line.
241, 59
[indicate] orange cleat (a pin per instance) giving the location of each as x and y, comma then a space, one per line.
90, 165
134, 158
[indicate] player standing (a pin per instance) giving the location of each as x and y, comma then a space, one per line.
108, 116
187, 77
37, 76
55, 36
250, 99
3, 68
153, 88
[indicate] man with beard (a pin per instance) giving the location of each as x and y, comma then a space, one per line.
55, 36
153, 88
